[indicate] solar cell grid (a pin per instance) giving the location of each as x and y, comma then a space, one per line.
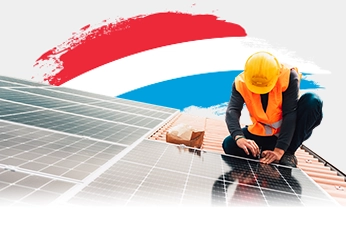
53, 153
111, 115
9, 108
35, 100
49, 92
17, 188
79, 125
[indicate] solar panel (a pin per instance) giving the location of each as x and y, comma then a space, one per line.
75, 114
79, 125
82, 109
37, 166
57, 95
18, 188
157, 173
9, 108
116, 116
36, 100
65, 146
52, 153
20, 82
8, 84
53, 138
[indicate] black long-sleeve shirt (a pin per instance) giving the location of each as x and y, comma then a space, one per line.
289, 115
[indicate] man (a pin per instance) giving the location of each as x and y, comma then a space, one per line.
281, 120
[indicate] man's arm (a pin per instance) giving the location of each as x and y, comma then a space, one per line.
233, 113
289, 113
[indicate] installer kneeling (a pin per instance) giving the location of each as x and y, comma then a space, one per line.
281, 119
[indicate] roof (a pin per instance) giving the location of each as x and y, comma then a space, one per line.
216, 130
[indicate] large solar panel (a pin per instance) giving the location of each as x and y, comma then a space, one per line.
157, 173
77, 112
65, 146
79, 125
36, 100
20, 82
23, 188
103, 102
53, 153
8, 84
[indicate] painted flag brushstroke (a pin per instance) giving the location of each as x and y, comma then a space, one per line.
214, 88
92, 48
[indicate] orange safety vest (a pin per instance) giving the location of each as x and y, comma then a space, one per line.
265, 123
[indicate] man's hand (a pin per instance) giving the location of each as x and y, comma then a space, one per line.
248, 146
271, 156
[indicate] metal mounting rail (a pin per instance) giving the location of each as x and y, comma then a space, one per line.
325, 162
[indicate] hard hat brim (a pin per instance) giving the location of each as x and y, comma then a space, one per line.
260, 90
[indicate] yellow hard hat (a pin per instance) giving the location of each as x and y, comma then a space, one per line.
261, 72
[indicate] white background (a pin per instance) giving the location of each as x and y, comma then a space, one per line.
312, 29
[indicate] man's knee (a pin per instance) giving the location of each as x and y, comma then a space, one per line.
310, 106
311, 100
228, 145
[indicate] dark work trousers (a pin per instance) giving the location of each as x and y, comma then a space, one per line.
309, 116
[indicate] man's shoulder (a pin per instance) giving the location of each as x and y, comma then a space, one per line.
294, 78
293, 73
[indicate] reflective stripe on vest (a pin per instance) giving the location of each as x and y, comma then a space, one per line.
269, 127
